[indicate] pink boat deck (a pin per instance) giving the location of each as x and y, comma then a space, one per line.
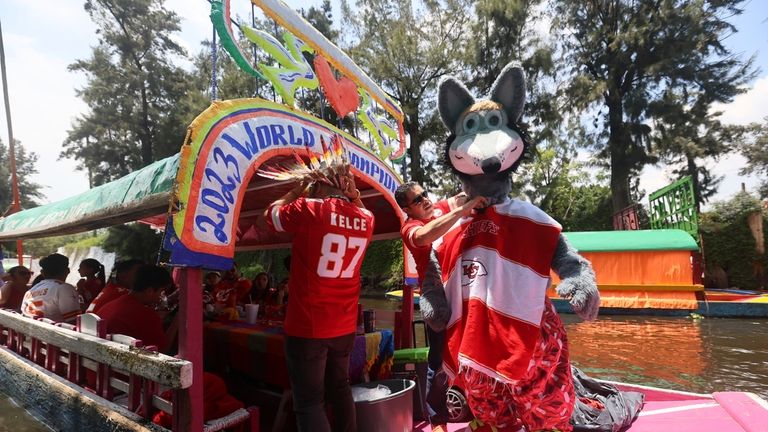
452, 427
667, 410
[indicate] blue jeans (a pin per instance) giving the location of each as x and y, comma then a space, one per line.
319, 373
437, 380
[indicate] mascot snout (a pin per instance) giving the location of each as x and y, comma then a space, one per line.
491, 165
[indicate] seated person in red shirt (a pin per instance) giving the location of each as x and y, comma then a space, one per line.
118, 286
134, 314
231, 290
12, 292
92, 282
261, 287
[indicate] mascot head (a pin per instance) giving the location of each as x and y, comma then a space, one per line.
485, 144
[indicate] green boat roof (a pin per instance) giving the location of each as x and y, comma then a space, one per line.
142, 193
637, 240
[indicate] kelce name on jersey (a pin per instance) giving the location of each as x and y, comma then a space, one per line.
341, 221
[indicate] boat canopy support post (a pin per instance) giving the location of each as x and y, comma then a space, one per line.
406, 316
188, 404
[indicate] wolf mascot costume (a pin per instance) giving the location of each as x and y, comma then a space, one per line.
506, 346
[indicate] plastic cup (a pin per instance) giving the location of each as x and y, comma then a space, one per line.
251, 313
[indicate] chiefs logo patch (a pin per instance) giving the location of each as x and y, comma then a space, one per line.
471, 270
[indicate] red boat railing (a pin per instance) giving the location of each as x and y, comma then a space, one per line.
117, 368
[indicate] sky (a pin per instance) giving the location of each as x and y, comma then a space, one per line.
43, 37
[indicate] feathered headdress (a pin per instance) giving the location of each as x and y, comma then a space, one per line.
333, 164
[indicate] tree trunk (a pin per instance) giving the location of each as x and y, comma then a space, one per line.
693, 172
617, 145
146, 134
414, 150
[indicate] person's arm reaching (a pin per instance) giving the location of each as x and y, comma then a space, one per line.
352, 192
457, 200
291, 196
434, 229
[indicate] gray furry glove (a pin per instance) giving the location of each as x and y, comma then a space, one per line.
433, 304
577, 280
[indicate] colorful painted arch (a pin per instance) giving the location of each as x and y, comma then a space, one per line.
219, 198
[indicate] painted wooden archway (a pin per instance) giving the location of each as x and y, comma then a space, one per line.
225, 146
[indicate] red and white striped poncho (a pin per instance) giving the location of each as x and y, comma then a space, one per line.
495, 268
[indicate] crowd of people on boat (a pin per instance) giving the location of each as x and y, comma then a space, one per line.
153, 295
226, 293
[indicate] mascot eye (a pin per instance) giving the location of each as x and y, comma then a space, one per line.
493, 118
471, 123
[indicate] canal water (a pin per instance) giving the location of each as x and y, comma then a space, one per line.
13, 418
696, 355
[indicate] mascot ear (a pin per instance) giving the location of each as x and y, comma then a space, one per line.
509, 90
452, 99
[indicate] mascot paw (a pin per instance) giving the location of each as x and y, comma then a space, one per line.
584, 298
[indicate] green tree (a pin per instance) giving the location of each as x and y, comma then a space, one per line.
134, 240
321, 19
504, 31
231, 81
729, 243
624, 55
688, 129
568, 190
133, 90
407, 47
756, 152
29, 191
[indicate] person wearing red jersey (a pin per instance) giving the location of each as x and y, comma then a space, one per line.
133, 314
12, 292
125, 272
331, 231
426, 223
231, 289
92, 282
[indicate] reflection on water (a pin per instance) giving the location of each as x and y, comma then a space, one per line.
14, 418
657, 351
711, 354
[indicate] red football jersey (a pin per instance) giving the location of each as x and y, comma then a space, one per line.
127, 316
421, 254
330, 237
110, 292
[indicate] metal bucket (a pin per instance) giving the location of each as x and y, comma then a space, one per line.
393, 413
